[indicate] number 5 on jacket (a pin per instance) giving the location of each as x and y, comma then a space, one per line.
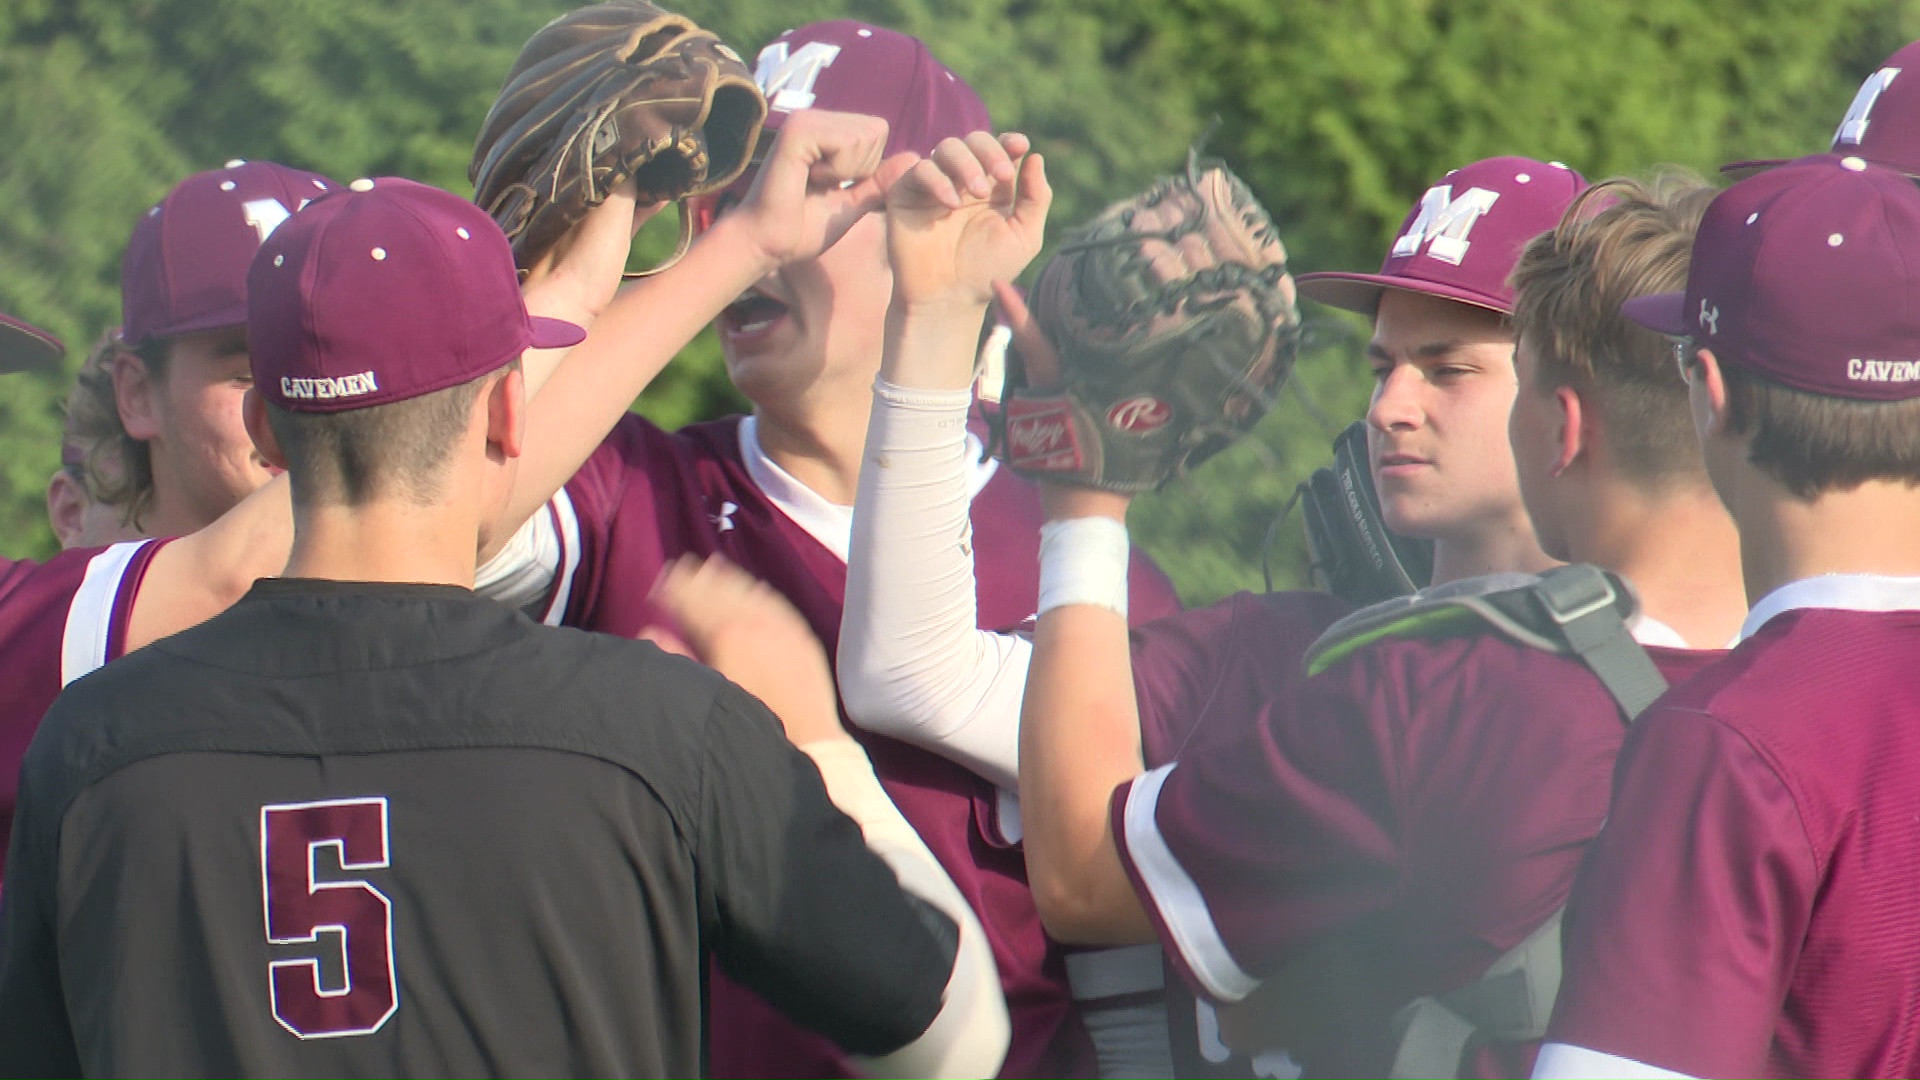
345, 984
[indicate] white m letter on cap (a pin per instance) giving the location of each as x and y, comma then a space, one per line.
1445, 223
788, 80
1854, 127
265, 215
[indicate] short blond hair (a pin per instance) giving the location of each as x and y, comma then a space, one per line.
1621, 239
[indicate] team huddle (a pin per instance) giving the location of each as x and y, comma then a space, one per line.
403, 705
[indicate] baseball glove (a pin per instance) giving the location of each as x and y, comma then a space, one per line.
615, 90
1173, 317
1352, 554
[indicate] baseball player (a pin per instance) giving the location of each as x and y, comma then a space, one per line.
178, 362
252, 848
773, 492
1339, 850
911, 662
1748, 909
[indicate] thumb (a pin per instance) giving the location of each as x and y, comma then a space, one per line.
1036, 352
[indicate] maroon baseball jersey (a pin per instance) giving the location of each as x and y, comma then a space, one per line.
58, 621
1441, 790
1753, 906
647, 496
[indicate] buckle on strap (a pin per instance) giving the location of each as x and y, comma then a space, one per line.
1571, 593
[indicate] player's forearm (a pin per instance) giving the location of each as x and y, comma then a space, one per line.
912, 664
628, 345
198, 576
969, 1036
1080, 737
931, 345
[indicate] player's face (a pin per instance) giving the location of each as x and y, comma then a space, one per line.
812, 326
202, 439
1533, 431
1437, 429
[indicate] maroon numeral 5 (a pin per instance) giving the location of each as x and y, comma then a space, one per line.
347, 987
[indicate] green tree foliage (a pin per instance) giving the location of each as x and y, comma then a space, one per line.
1338, 114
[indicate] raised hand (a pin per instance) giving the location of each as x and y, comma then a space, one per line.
738, 625
824, 173
972, 213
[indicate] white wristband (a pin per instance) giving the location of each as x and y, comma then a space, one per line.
1083, 561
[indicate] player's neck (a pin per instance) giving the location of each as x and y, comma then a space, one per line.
390, 540
822, 451
1679, 550
1505, 547
1868, 530
170, 512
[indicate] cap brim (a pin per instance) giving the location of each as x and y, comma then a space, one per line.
554, 333
1740, 170
212, 320
1361, 292
1662, 312
24, 347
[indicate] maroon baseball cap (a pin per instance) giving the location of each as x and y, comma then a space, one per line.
384, 292
1460, 241
855, 67
25, 347
1882, 125
186, 265
1806, 275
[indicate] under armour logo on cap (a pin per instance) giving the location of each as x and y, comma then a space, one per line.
1709, 317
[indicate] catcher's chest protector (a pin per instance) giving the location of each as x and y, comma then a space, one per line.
1579, 610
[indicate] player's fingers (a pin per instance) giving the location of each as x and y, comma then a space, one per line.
993, 158
964, 170
1033, 197
842, 146
1015, 145
925, 184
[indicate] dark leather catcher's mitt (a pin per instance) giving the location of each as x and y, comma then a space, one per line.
1353, 554
1174, 318
602, 93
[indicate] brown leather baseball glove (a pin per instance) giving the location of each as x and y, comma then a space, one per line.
615, 90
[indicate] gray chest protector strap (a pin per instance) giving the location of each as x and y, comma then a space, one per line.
1578, 610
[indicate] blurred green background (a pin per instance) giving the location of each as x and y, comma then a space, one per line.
1337, 112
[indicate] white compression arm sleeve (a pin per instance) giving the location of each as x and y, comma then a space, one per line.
970, 1035
522, 572
913, 664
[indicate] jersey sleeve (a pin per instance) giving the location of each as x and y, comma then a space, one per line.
36, 1038
1684, 927
796, 906
1175, 661
1247, 847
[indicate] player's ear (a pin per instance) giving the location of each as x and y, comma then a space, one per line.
134, 394
507, 412
1710, 388
66, 507
1570, 428
253, 412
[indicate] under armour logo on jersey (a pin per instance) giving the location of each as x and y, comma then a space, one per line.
723, 520
1445, 223
787, 79
1853, 129
1710, 318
